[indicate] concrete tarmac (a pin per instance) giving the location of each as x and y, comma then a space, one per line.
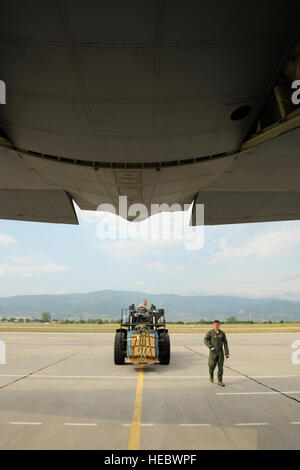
63, 391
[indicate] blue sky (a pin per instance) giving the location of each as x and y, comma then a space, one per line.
254, 260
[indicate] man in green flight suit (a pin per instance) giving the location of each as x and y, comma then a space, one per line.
216, 340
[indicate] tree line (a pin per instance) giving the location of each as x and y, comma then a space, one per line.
46, 317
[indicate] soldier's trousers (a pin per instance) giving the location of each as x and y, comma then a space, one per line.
214, 359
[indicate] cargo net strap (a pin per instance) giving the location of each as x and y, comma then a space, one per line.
143, 346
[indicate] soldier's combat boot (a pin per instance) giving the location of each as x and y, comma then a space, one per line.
211, 379
221, 383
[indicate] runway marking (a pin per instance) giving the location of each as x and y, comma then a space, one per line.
142, 424
148, 377
256, 393
284, 394
106, 377
12, 375
26, 376
252, 424
134, 438
193, 424
80, 424
27, 423
295, 422
273, 376
102, 377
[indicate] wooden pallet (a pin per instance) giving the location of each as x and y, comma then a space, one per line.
143, 349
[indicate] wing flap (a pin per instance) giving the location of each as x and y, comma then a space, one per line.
236, 207
37, 206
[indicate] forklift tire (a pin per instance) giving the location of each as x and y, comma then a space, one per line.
119, 355
164, 348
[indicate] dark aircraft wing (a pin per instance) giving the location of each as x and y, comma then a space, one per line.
164, 102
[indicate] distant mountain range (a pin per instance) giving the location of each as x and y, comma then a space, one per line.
108, 304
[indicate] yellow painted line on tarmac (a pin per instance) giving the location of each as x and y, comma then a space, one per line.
135, 433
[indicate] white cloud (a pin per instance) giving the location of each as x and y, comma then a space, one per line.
131, 239
264, 245
164, 268
21, 259
42, 290
293, 277
6, 239
161, 226
90, 217
26, 270
130, 249
140, 283
27, 275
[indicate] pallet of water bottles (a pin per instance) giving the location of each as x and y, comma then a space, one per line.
142, 346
